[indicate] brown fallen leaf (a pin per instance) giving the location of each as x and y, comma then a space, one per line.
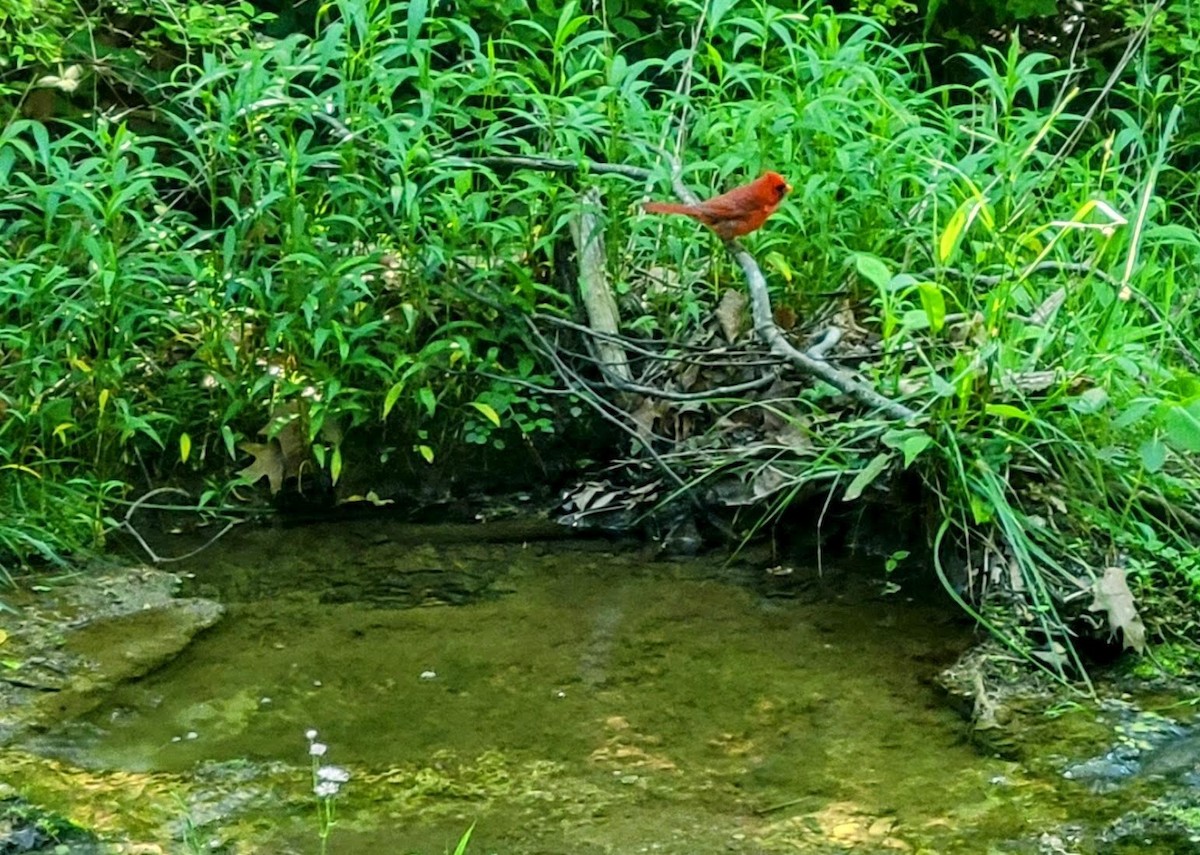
269, 462
1112, 595
785, 317
731, 314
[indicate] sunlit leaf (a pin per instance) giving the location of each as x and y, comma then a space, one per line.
335, 464
488, 413
948, 241
934, 304
392, 396
425, 396
230, 440
185, 446
1007, 411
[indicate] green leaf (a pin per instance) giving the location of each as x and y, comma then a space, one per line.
867, 476
335, 465
426, 397
416, 17
1182, 425
1007, 411
953, 231
426, 452
230, 441
185, 446
1023, 9
393, 395
1134, 413
461, 848
911, 442
488, 413
1154, 454
934, 304
1090, 402
872, 269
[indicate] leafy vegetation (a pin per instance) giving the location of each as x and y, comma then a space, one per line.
294, 248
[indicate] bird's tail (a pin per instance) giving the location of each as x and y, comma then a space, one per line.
670, 208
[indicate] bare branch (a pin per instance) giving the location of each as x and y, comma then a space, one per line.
126, 525
764, 322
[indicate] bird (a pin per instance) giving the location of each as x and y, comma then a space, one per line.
736, 213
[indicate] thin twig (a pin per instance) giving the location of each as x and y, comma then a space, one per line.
127, 526
707, 395
598, 403
1134, 45
637, 345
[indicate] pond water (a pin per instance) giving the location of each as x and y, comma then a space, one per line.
563, 696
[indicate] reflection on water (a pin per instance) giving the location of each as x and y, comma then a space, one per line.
565, 697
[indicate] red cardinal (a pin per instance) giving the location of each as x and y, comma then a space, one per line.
736, 213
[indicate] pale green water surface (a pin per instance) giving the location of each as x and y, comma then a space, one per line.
567, 697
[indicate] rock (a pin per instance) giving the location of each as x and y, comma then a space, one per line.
117, 648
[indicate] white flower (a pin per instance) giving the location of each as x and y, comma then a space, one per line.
325, 790
318, 749
333, 774
310, 734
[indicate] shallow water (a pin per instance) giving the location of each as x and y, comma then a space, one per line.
563, 696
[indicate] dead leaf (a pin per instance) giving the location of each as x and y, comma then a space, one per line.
785, 317
645, 417
1112, 595
792, 435
731, 314
767, 481
1051, 305
584, 495
1029, 381
291, 434
268, 462
689, 376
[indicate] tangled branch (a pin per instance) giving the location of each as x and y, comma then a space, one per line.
811, 363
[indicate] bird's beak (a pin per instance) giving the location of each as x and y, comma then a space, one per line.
787, 188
